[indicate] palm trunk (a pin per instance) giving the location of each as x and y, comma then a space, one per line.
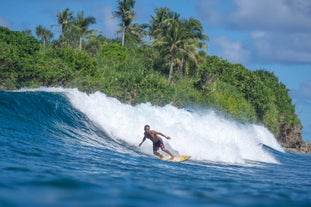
170, 76
123, 34
63, 32
181, 66
80, 44
44, 41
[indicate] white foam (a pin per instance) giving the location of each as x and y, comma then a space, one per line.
205, 135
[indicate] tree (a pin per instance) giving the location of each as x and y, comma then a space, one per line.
126, 14
64, 18
44, 34
165, 33
194, 39
158, 23
82, 25
176, 39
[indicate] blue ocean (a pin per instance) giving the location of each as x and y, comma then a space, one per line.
63, 147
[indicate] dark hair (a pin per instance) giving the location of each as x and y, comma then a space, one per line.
147, 126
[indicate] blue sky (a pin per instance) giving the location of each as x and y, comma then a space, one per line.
260, 34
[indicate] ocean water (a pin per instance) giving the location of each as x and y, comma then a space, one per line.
62, 147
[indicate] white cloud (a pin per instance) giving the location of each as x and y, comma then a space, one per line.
209, 10
273, 47
258, 34
233, 51
271, 15
278, 31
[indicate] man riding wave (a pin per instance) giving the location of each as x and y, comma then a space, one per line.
156, 140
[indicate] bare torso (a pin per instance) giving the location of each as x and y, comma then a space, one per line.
152, 135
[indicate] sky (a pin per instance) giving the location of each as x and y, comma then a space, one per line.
260, 34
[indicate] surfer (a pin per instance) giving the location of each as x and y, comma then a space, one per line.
156, 140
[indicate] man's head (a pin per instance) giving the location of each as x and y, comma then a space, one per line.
147, 127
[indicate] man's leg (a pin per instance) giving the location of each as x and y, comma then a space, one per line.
168, 152
157, 154
165, 150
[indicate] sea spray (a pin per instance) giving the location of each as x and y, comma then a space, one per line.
206, 136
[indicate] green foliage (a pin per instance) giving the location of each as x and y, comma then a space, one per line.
176, 39
74, 29
113, 53
78, 61
271, 119
93, 45
184, 94
16, 53
52, 70
245, 81
282, 100
228, 99
44, 34
24, 44
127, 74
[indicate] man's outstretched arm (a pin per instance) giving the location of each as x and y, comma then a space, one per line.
160, 133
142, 141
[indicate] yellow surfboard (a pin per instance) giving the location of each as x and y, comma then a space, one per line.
177, 158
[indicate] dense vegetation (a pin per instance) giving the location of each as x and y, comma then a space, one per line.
172, 67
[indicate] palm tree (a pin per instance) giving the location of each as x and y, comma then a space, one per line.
158, 23
167, 32
194, 39
65, 19
82, 25
126, 14
44, 34
175, 38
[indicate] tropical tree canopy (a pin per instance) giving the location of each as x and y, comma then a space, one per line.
74, 28
82, 24
44, 34
64, 19
176, 38
126, 14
